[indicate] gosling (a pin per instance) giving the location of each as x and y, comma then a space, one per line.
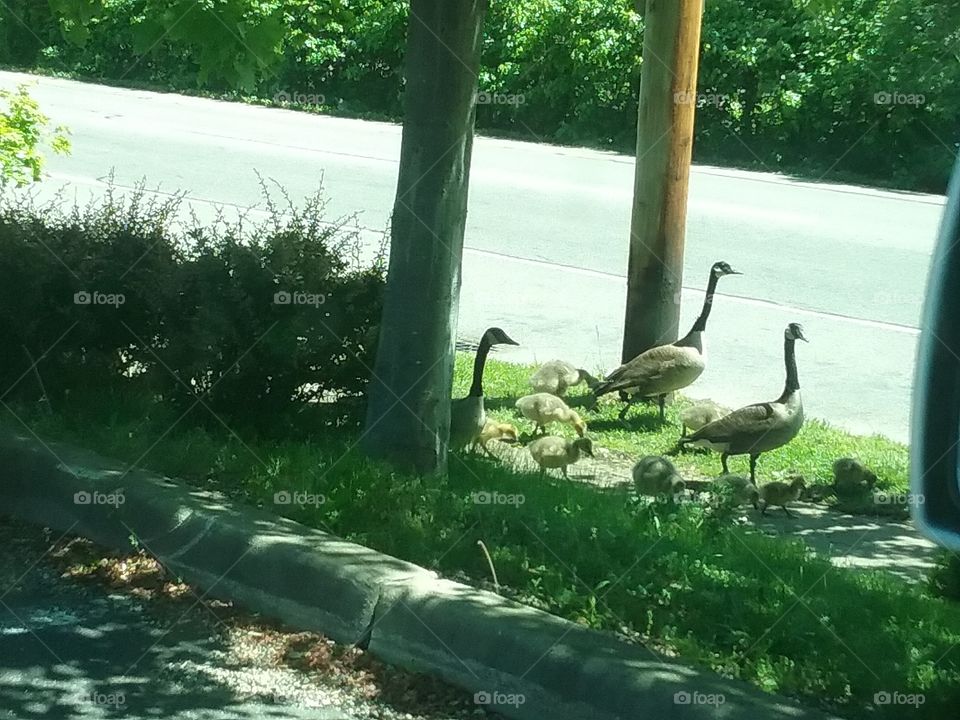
495, 430
556, 377
703, 413
656, 476
557, 452
780, 493
851, 479
740, 488
544, 408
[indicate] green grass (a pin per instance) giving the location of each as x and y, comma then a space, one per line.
679, 579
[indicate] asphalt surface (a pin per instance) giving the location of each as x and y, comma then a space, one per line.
547, 237
72, 649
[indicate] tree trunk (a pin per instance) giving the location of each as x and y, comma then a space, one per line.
408, 407
668, 98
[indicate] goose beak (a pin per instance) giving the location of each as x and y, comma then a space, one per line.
734, 272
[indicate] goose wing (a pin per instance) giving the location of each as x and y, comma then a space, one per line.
742, 427
653, 368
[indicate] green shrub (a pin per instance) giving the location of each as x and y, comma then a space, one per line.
944, 578
113, 294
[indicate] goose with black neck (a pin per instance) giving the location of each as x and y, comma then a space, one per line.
760, 427
666, 368
467, 415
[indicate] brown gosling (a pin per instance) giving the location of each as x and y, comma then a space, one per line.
495, 430
741, 489
780, 493
544, 408
656, 476
851, 479
558, 452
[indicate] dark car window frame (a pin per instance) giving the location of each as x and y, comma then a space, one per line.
935, 434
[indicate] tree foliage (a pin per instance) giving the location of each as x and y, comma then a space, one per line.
784, 84
23, 133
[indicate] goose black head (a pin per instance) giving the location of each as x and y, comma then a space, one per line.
496, 336
722, 268
794, 331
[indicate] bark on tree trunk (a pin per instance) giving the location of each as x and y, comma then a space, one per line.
408, 406
668, 97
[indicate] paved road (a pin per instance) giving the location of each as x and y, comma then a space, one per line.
82, 650
75, 651
547, 239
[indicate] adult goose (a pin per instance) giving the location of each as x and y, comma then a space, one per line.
467, 415
760, 427
666, 368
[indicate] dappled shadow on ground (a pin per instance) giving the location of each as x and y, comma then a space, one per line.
854, 540
68, 653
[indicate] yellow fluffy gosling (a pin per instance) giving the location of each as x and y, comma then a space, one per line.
544, 408
557, 452
556, 376
495, 430
703, 413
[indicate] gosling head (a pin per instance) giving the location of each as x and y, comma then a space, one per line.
579, 425
508, 433
722, 268
798, 483
496, 336
583, 446
794, 331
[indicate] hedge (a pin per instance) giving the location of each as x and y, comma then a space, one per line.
249, 321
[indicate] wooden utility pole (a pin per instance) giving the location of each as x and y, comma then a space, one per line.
408, 399
668, 99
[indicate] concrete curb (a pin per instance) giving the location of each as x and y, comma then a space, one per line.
523, 662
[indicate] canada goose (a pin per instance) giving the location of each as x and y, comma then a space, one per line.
741, 490
703, 413
558, 452
467, 416
779, 494
760, 427
656, 476
556, 377
495, 430
665, 368
851, 479
544, 408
